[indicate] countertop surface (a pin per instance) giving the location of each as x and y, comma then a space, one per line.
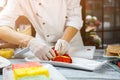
106, 72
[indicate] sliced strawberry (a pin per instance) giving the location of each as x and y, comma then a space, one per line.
55, 51
57, 58
66, 55
66, 59
118, 64
62, 59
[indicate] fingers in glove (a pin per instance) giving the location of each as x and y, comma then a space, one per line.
49, 55
44, 57
58, 48
52, 53
40, 57
63, 50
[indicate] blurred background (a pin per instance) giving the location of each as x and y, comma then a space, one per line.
105, 16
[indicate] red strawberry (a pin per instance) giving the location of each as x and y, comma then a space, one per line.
118, 64
62, 59
66, 55
55, 51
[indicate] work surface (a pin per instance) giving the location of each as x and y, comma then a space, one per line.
104, 73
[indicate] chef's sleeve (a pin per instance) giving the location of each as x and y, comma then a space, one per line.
10, 13
74, 14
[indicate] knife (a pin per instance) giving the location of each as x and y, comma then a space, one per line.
21, 52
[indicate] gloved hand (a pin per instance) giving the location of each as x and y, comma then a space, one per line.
62, 46
40, 49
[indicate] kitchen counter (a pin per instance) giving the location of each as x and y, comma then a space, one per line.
106, 72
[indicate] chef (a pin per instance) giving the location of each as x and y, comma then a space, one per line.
56, 22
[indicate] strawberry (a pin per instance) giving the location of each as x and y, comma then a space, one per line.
61, 58
66, 55
118, 64
55, 51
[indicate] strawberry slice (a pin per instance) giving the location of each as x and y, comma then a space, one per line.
118, 64
66, 55
62, 58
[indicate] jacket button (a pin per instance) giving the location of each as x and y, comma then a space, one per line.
66, 16
37, 14
43, 23
47, 35
40, 3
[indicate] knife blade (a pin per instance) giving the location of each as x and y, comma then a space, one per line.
21, 52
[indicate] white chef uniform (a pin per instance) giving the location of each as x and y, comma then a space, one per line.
49, 17
3, 3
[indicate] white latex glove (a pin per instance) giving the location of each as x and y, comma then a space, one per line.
41, 50
62, 46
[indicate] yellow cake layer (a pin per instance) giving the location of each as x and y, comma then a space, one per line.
32, 71
6, 53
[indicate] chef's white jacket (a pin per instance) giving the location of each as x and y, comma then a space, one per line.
3, 3
49, 17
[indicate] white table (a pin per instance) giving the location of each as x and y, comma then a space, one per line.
105, 73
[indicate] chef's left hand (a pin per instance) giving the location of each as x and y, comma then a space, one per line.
62, 46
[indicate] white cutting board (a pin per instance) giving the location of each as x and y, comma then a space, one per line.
77, 63
86, 52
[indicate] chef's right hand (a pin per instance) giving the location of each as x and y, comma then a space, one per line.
40, 49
